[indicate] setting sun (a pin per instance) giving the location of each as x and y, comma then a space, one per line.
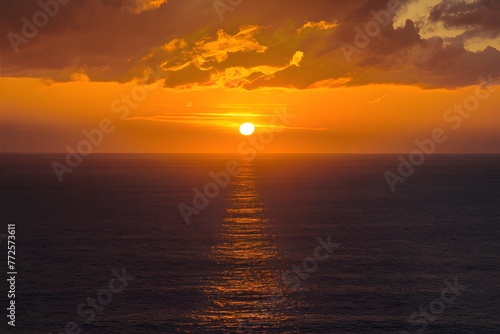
247, 129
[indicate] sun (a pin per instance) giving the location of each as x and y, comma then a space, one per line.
247, 129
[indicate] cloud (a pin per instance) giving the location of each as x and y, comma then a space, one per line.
482, 14
223, 120
284, 44
378, 99
224, 61
478, 20
399, 55
187, 62
297, 57
80, 76
138, 6
202, 118
322, 25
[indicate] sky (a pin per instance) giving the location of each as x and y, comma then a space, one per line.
315, 76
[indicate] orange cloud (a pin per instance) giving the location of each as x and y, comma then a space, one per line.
322, 25
139, 6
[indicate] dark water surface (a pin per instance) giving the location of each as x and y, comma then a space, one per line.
255, 258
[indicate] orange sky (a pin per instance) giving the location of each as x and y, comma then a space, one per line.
173, 77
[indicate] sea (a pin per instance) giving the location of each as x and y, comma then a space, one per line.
283, 243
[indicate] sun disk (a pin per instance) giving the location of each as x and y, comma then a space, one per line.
247, 129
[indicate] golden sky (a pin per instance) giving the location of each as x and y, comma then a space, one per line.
182, 75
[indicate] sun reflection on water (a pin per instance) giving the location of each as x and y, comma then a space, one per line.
245, 289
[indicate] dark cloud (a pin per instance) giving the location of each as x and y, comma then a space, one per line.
480, 19
292, 44
483, 14
94, 33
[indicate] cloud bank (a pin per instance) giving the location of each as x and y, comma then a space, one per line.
260, 44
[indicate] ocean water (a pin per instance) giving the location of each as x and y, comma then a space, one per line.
294, 244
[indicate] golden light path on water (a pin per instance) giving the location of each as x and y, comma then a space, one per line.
245, 290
